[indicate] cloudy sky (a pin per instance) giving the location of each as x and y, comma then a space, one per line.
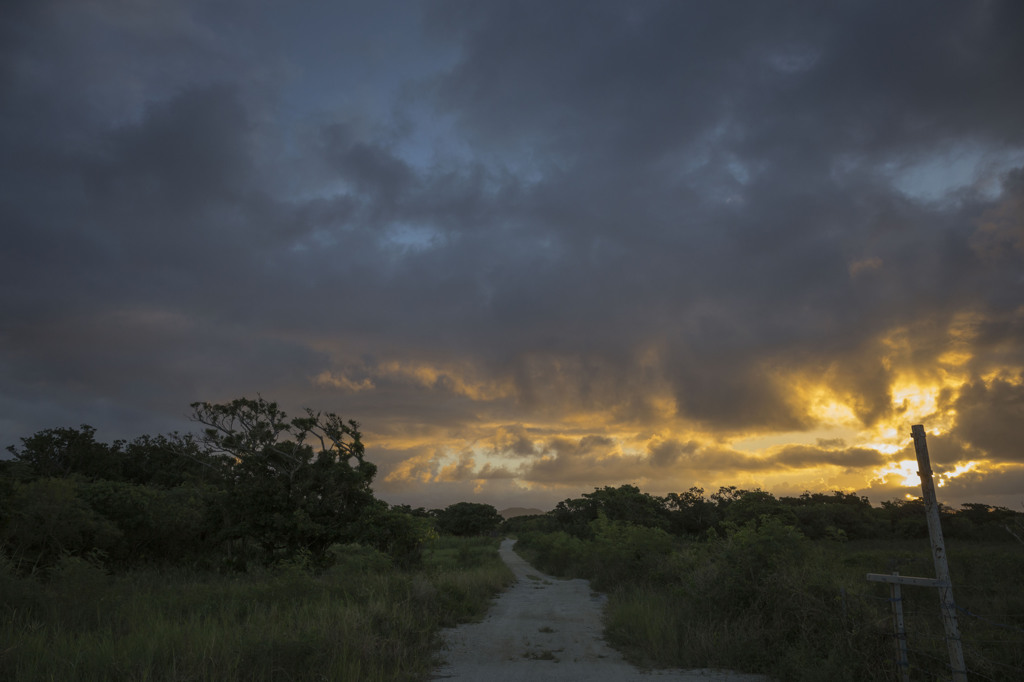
532, 247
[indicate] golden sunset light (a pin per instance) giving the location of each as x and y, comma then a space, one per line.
676, 246
560, 425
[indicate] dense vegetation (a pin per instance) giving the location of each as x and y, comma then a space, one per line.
254, 550
744, 580
251, 489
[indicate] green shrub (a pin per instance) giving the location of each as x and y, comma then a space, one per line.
400, 534
625, 552
355, 559
558, 553
50, 518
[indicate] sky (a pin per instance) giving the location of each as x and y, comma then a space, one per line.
533, 248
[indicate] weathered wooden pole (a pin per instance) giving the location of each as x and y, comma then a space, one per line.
902, 661
942, 580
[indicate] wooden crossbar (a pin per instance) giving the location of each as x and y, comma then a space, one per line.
905, 580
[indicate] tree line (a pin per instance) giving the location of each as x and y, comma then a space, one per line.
253, 487
833, 515
256, 487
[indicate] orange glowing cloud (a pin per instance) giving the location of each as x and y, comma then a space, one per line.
574, 423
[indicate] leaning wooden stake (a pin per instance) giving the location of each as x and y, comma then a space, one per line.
942, 580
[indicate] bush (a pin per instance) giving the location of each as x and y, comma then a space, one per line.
752, 555
50, 519
468, 518
761, 598
353, 559
155, 524
623, 552
619, 552
558, 553
399, 534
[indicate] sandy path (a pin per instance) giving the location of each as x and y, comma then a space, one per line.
546, 628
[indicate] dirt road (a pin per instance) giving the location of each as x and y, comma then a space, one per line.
546, 628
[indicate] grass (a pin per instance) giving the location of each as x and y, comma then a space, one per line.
766, 601
819, 619
348, 623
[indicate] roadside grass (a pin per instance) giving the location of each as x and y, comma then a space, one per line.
362, 619
790, 623
767, 600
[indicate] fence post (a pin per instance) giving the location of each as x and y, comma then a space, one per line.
902, 661
943, 583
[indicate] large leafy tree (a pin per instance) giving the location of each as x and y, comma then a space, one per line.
294, 483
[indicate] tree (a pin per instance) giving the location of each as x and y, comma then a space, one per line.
837, 515
396, 531
690, 512
468, 518
625, 503
755, 506
254, 483
163, 461
61, 452
171, 461
907, 518
292, 483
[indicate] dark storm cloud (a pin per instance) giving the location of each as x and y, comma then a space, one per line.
509, 212
990, 418
751, 138
669, 452
591, 460
1002, 487
797, 457
128, 226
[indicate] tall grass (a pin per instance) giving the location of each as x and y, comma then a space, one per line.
361, 620
790, 621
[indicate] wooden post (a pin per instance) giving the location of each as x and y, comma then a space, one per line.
899, 628
943, 583
902, 661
